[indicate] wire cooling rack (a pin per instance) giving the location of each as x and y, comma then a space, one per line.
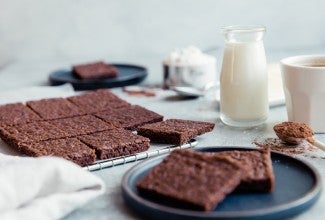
102, 164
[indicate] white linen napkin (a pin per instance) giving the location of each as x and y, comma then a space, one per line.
44, 187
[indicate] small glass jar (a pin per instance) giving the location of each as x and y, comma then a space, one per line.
243, 78
189, 67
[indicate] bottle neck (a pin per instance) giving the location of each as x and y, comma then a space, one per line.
243, 34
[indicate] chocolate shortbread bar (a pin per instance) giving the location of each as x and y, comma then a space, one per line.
258, 175
97, 70
16, 113
98, 100
115, 143
68, 148
30, 133
129, 117
192, 179
54, 108
81, 125
174, 131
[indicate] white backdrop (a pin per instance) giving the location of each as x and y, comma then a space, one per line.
144, 31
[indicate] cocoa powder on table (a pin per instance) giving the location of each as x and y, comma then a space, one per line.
287, 132
276, 144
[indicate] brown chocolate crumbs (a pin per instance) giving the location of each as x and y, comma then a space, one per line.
139, 92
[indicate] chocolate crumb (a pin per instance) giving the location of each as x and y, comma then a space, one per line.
139, 92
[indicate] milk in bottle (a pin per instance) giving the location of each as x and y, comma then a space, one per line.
243, 78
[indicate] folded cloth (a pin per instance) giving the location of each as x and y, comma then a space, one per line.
44, 187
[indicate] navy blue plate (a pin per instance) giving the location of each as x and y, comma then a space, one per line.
297, 187
128, 75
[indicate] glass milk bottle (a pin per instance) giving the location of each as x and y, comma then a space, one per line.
243, 78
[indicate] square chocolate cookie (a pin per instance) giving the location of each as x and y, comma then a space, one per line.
30, 133
174, 131
97, 70
129, 117
17, 113
54, 108
258, 175
115, 143
68, 148
193, 180
80, 125
98, 100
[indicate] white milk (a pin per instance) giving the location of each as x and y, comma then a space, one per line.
243, 84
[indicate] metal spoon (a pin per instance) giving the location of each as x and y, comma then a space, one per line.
287, 135
189, 91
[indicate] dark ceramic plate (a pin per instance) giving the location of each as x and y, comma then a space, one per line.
128, 75
297, 187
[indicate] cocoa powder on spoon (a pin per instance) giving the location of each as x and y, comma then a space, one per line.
297, 132
293, 132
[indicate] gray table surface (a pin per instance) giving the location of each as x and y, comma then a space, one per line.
111, 205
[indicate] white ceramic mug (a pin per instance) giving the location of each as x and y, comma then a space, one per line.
304, 88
